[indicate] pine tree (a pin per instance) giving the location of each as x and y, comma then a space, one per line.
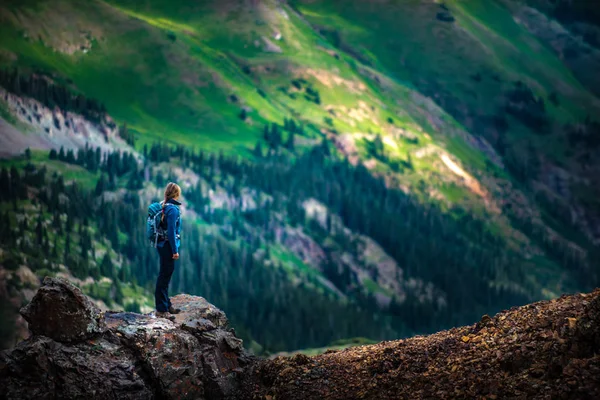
70, 157
14, 189
80, 158
54, 253
126, 135
39, 230
5, 185
118, 292
98, 155
5, 226
67, 251
46, 243
57, 222
378, 147
61, 154
275, 136
258, 151
69, 223
267, 134
289, 144
85, 243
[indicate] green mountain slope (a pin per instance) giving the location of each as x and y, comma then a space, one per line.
372, 154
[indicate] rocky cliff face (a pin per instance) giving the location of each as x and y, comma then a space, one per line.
544, 350
76, 351
39, 127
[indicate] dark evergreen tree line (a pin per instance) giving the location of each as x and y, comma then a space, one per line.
51, 94
256, 296
114, 164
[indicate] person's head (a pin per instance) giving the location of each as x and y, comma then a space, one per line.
173, 191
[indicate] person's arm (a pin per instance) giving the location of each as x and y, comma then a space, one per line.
172, 215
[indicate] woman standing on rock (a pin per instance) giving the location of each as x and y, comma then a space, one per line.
168, 250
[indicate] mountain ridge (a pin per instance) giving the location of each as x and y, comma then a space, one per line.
543, 349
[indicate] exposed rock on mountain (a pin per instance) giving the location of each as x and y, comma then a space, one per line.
52, 128
544, 350
121, 354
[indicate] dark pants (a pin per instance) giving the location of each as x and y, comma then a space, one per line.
167, 265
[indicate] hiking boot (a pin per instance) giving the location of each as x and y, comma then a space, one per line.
173, 310
165, 315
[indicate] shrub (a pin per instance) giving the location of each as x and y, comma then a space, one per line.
445, 17
134, 306
12, 261
523, 105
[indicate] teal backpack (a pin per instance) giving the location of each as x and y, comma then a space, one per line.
154, 228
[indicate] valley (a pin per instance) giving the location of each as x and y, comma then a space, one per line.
349, 169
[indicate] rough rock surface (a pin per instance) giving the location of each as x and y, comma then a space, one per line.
121, 354
60, 311
40, 127
545, 350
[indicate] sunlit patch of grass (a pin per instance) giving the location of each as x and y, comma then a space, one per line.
372, 287
40, 159
161, 23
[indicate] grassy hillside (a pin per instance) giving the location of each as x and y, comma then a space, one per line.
168, 71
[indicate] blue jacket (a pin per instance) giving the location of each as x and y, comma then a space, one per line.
173, 221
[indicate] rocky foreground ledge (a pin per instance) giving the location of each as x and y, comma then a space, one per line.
77, 352
544, 350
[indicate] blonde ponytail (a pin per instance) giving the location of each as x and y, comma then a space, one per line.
172, 191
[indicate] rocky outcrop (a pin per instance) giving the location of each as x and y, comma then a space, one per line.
37, 126
75, 351
549, 349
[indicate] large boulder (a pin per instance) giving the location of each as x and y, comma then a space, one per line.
77, 352
60, 311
